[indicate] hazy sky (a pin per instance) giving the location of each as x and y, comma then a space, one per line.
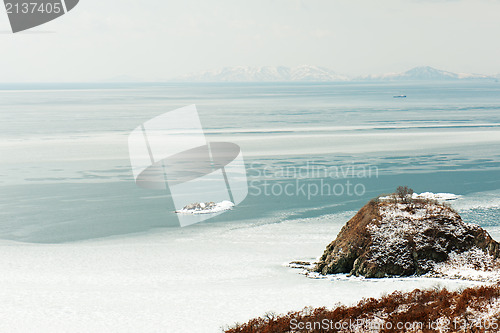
159, 39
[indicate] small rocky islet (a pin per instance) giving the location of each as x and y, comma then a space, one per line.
402, 235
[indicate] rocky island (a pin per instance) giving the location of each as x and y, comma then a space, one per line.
206, 207
404, 235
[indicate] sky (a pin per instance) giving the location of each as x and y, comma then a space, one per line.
161, 39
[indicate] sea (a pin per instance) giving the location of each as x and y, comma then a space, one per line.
83, 248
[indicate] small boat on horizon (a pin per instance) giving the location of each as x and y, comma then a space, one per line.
399, 96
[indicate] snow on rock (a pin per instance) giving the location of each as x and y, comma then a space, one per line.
206, 207
406, 238
474, 265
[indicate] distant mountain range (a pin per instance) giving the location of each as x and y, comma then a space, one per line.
265, 74
308, 73
427, 73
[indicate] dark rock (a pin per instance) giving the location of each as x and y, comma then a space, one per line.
300, 263
392, 238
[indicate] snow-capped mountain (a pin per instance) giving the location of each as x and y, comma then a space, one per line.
313, 73
426, 73
307, 73
266, 74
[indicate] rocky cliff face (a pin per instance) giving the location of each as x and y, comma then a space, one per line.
394, 238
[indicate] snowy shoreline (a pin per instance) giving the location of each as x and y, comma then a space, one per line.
444, 272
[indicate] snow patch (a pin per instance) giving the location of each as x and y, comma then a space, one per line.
440, 197
436, 196
472, 265
206, 208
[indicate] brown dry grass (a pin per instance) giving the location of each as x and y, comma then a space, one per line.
459, 308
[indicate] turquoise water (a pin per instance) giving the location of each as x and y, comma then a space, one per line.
65, 173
